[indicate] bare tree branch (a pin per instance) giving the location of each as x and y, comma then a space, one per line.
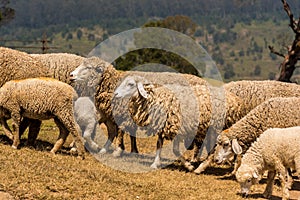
275, 52
293, 23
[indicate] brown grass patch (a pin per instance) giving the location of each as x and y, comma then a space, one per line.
34, 173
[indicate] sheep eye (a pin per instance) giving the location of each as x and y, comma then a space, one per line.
249, 181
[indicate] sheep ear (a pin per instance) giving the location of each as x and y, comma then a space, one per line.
237, 149
142, 90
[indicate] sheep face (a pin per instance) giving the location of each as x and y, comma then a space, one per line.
246, 177
90, 68
129, 87
226, 149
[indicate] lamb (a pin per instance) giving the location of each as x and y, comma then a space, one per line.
41, 99
277, 112
86, 116
276, 150
159, 104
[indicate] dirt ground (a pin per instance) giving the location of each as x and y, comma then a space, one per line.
34, 173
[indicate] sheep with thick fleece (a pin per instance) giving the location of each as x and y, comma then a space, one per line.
19, 65
102, 76
276, 150
274, 113
41, 99
171, 110
253, 93
14, 65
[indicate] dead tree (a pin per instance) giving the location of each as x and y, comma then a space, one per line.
290, 60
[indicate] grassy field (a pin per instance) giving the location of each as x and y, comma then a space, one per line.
34, 173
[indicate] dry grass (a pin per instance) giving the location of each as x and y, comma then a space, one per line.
30, 173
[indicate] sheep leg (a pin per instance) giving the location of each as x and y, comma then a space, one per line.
16, 120
204, 164
134, 148
6, 129
119, 144
270, 182
159, 145
34, 129
88, 134
177, 153
284, 179
63, 134
237, 164
112, 133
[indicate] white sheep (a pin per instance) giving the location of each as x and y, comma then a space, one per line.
41, 99
274, 113
86, 116
276, 150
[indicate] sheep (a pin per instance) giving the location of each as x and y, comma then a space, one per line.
160, 104
19, 65
104, 78
253, 93
86, 116
41, 99
276, 150
277, 112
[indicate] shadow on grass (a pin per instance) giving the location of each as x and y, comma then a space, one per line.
259, 196
40, 145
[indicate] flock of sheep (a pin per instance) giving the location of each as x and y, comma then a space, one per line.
254, 122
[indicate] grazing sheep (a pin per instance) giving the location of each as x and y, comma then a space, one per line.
276, 150
41, 99
161, 106
253, 93
86, 116
274, 113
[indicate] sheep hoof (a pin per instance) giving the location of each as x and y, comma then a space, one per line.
117, 153
14, 147
155, 166
199, 170
103, 151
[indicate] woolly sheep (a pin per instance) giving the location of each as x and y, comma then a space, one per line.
274, 113
276, 150
104, 77
253, 93
159, 104
20, 65
40, 98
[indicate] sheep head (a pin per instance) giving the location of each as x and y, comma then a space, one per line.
226, 148
89, 72
131, 86
246, 177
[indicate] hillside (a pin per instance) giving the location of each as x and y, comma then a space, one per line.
235, 33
